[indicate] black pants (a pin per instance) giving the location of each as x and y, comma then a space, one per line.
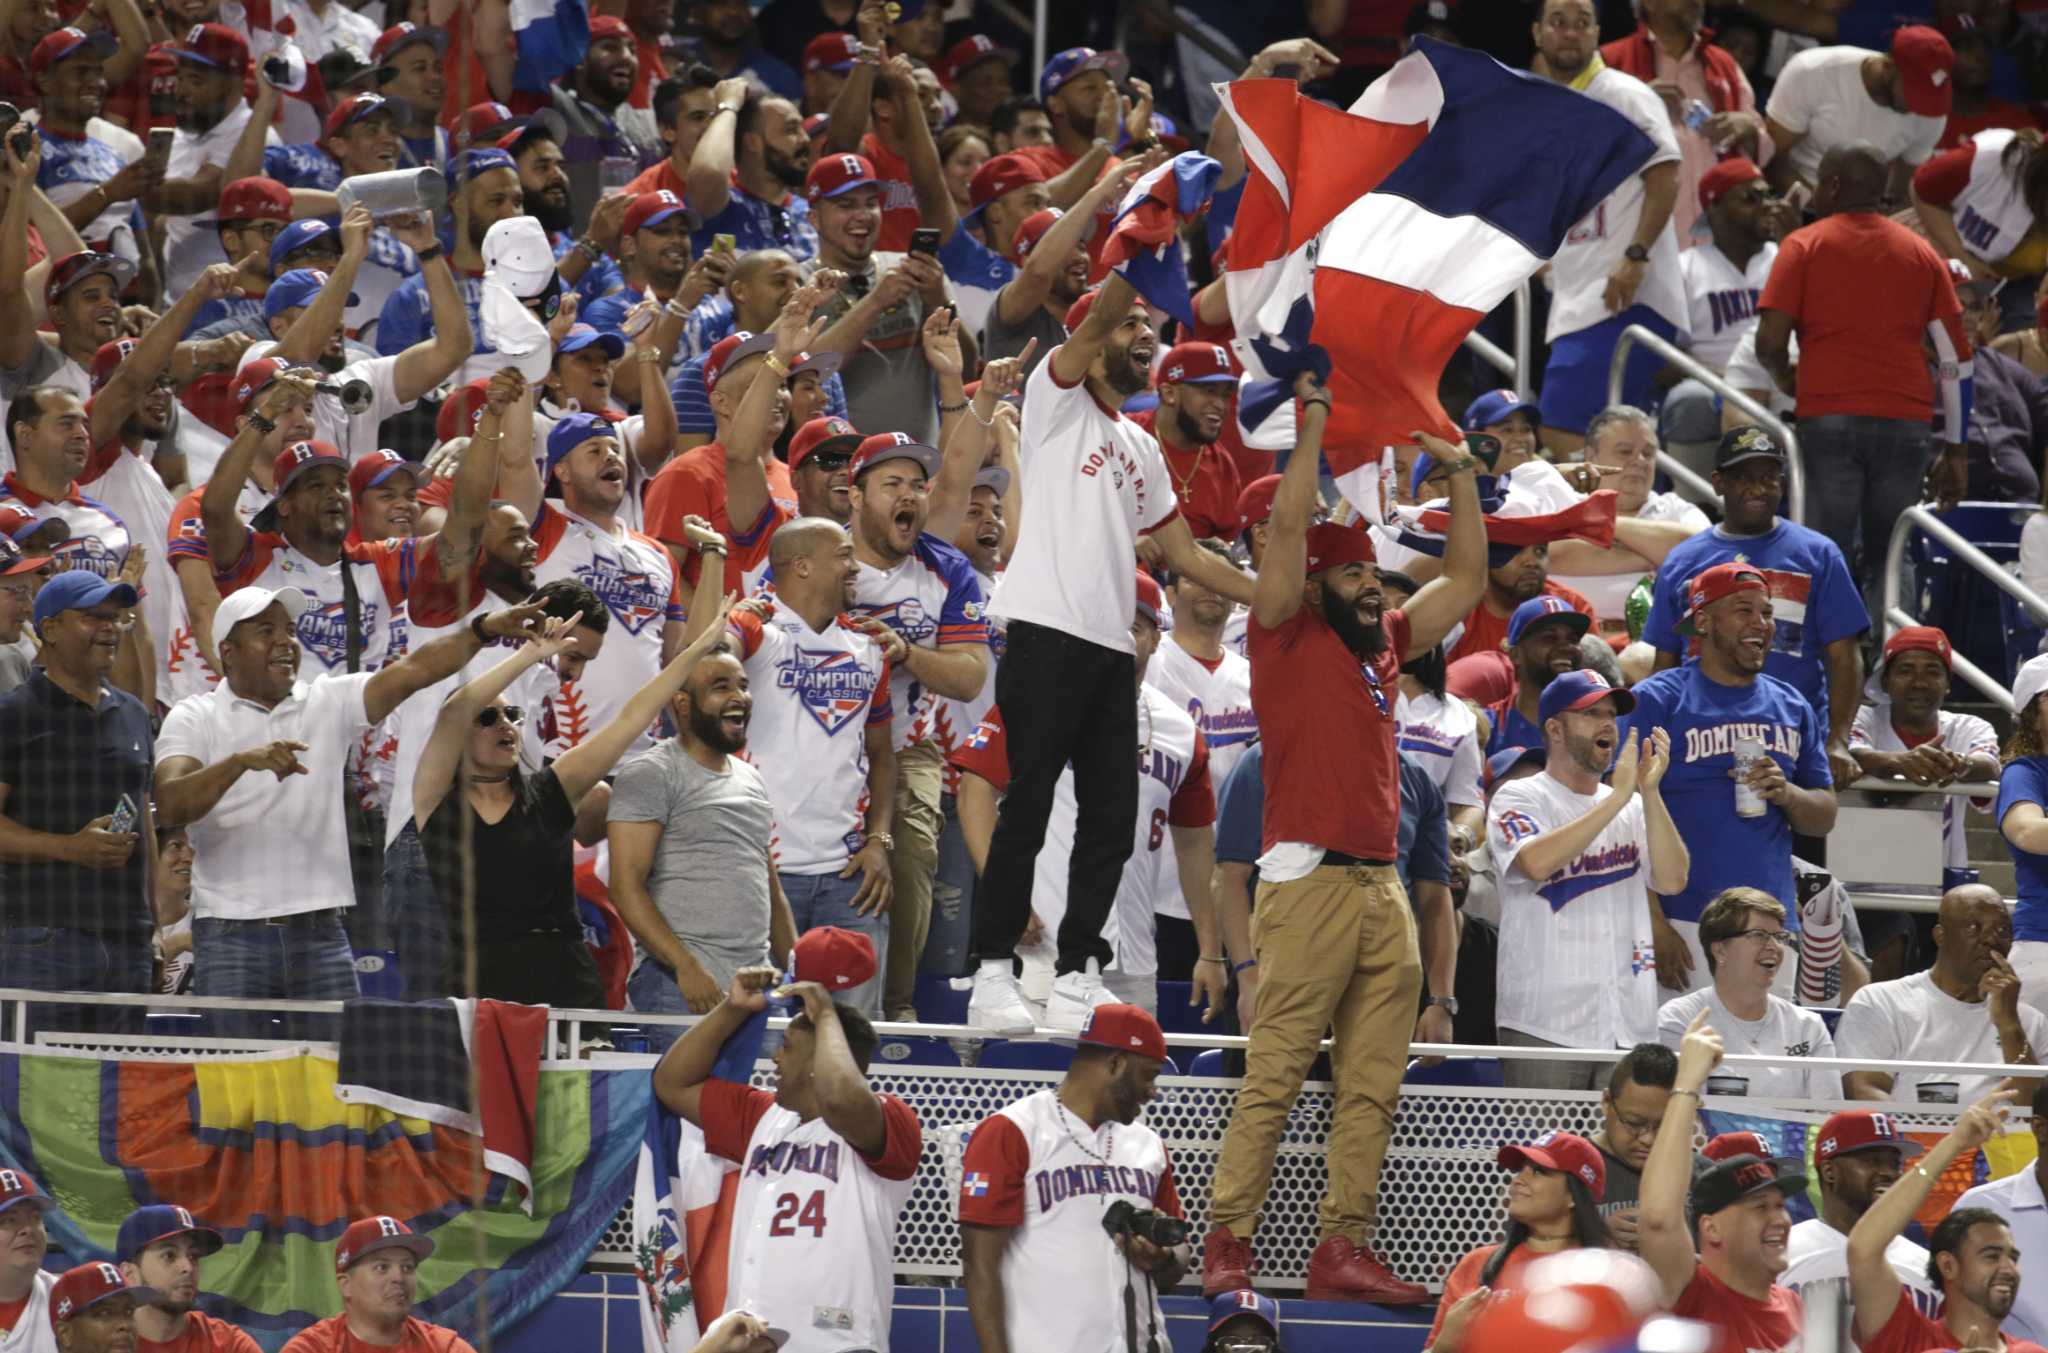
1064, 701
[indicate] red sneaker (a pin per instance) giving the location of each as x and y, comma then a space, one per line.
1342, 1271
1227, 1262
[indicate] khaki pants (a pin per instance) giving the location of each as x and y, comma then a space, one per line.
920, 782
1336, 951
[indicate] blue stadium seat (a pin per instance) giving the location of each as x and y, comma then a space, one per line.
1022, 1055
895, 1051
1481, 1072
1951, 595
937, 1002
1828, 1016
2023, 633
1208, 1062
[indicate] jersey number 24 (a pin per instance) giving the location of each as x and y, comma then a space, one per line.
794, 1213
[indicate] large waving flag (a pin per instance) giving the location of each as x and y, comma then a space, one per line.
1384, 234
1144, 236
551, 37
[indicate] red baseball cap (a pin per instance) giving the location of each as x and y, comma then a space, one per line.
1124, 1028
970, 52
835, 959
298, 459
1918, 639
251, 380
822, 434
1726, 1144
1925, 62
612, 26
1197, 364
837, 50
398, 37
1030, 231
13, 562
255, 199
1077, 313
1001, 174
82, 1288
63, 42
1333, 546
1255, 503
364, 1238
460, 411
15, 1185
1150, 600
486, 124
1722, 580
729, 350
1862, 1130
377, 467
110, 356
651, 209
836, 174
68, 271
356, 107
1725, 177
221, 47
1564, 1152
884, 446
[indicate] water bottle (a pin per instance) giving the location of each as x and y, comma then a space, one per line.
1696, 115
1748, 802
395, 192
1637, 611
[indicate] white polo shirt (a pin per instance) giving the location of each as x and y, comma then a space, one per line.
2018, 1199
271, 847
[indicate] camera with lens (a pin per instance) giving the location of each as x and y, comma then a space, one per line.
20, 137
1124, 1219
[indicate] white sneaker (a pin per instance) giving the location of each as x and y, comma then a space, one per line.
1074, 995
998, 1006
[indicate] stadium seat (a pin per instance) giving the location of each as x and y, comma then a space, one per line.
1828, 1016
1208, 1062
1952, 595
1024, 1055
1483, 1072
892, 1051
937, 1002
2023, 632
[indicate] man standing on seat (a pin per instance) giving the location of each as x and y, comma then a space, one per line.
1326, 659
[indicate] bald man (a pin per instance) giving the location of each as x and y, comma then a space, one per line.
760, 285
1966, 1008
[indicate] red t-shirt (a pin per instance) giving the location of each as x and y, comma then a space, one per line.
332, 1336
899, 199
1054, 162
657, 178
11, 1312
693, 484
1332, 778
1908, 1331
1770, 1326
1205, 481
1485, 632
1997, 113
1861, 291
202, 1334
1464, 1280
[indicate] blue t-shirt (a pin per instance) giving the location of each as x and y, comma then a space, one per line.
755, 224
1424, 834
1512, 729
1240, 812
2026, 781
408, 314
970, 263
232, 314
1814, 601
1704, 718
302, 166
599, 279
709, 321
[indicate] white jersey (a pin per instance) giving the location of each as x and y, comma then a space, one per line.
629, 431
1095, 480
1442, 735
1817, 1268
1786, 1030
33, 1333
1820, 95
1991, 213
1963, 734
815, 697
1608, 592
636, 579
1237, 630
954, 721
813, 1244
933, 598
134, 492
353, 434
1219, 700
1037, 1168
1594, 246
1721, 298
99, 538
192, 242
1577, 962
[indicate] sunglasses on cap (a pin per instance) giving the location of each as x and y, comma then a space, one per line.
512, 714
549, 303
830, 460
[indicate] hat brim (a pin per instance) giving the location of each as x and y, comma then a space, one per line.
1624, 702
41, 1201
28, 563
113, 265
846, 188
1515, 1157
845, 441
927, 458
1220, 378
752, 347
104, 42
1755, 453
144, 1296
407, 467
198, 59
1787, 1179
1907, 1148
1003, 54
401, 115
420, 1247
1578, 620
613, 345
433, 37
1529, 407
690, 218
1113, 64
210, 1241
1171, 1067
994, 477
824, 363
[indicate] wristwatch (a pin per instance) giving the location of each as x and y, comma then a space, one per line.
1636, 253
884, 840
1449, 1004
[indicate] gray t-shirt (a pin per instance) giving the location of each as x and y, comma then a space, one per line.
709, 878
888, 385
1007, 340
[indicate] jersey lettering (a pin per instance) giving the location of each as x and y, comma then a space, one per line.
818, 1158
834, 685
1594, 869
1087, 1181
632, 597
794, 1213
1701, 743
1733, 307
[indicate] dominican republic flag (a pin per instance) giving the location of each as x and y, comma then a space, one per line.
1382, 235
1144, 236
551, 37
683, 1198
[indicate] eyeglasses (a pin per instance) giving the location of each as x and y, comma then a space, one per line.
1781, 938
1637, 1127
512, 714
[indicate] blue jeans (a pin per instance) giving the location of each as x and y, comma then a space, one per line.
1861, 476
950, 941
418, 921
52, 958
827, 899
296, 958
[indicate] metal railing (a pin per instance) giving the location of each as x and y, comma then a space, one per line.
1924, 520
1795, 471
1515, 366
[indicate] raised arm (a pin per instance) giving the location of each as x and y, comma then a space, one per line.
441, 761
846, 121
846, 1102
1670, 861
443, 658
1662, 1236
18, 312
1448, 598
796, 328
227, 536
1544, 855
1049, 258
1071, 359
1284, 569
305, 342
133, 379
427, 363
680, 1074
963, 449
245, 161
708, 184
187, 791
505, 428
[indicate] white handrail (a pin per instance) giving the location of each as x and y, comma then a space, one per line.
1795, 470
1895, 615
1514, 366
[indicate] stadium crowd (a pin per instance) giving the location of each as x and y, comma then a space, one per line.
572, 531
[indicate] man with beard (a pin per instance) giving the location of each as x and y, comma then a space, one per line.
654, 260
825, 749
411, 72
1577, 862
605, 133
1521, 576
1040, 1270
760, 286
1907, 735
212, 61
485, 190
1972, 1254
723, 39
1542, 643
1816, 643
877, 314
917, 594
1716, 711
1094, 480
742, 177
584, 263
683, 104
160, 1248
1049, 254
1736, 1209
24, 1286
1325, 658
1196, 383
376, 1268
2019, 1200
1858, 1155
92, 170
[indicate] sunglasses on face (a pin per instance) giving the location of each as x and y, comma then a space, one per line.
512, 714
829, 461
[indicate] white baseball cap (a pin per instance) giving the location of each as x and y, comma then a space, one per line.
2029, 682
516, 253
250, 602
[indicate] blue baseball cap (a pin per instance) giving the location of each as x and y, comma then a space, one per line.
1502, 762
581, 336
78, 590
146, 1226
1244, 1301
1568, 691
1536, 610
573, 431
296, 288
297, 236
479, 160
1497, 406
1074, 61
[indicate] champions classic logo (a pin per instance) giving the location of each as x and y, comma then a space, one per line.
89, 553
323, 630
632, 597
833, 685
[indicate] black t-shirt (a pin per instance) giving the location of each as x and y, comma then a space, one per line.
524, 862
